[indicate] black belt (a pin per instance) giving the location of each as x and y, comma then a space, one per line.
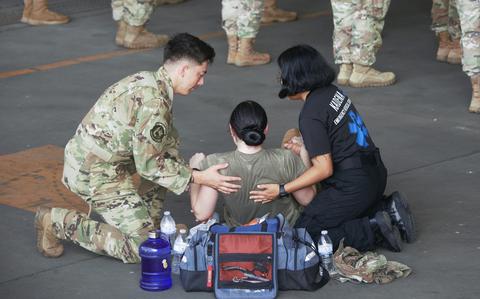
358, 160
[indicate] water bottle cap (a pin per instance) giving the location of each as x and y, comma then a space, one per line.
166, 213
183, 231
152, 234
324, 232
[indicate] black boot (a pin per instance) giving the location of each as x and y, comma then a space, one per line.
399, 211
386, 234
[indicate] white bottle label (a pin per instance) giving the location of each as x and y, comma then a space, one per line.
325, 249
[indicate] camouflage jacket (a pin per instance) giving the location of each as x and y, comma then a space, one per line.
132, 122
366, 267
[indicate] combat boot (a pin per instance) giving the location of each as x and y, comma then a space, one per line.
387, 235
444, 45
232, 48
366, 76
399, 211
455, 54
344, 73
121, 31
27, 11
47, 243
36, 12
137, 37
246, 56
475, 103
272, 13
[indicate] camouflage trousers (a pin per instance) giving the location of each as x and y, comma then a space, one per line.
445, 18
469, 13
134, 12
242, 17
109, 190
357, 33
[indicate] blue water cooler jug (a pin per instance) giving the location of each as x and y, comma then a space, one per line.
156, 271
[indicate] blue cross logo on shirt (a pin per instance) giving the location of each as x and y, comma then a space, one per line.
356, 126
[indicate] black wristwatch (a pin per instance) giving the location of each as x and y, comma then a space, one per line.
282, 193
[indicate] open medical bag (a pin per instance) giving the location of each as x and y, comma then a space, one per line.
293, 251
246, 265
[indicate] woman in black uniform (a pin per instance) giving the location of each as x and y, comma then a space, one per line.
344, 159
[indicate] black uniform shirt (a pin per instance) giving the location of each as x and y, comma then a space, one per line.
329, 123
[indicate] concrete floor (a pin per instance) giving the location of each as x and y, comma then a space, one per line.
430, 143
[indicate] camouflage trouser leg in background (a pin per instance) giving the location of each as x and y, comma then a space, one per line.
134, 12
445, 17
242, 17
358, 25
469, 12
110, 192
439, 15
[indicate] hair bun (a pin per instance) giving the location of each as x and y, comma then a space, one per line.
252, 136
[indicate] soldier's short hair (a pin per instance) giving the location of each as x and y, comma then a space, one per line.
302, 68
187, 46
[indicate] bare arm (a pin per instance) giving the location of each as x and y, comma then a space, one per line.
210, 177
322, 168
304, 196
203, 200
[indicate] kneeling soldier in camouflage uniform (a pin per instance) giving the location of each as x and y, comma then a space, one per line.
130, 129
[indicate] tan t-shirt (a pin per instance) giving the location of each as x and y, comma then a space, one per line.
267, 166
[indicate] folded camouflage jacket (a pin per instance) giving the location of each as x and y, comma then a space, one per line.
366, 267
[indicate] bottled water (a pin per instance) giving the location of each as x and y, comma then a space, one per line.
325, 250
168, 227
178, 249
155, 254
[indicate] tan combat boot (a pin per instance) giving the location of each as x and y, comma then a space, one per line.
444, 45
27, 11
272, 13
232, 48
475, 103
36, 12
47, 243
344, 73
121, 31
366, 76
246, 56
137, 37
455, 54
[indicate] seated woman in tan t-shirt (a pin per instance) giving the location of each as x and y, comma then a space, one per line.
255, 165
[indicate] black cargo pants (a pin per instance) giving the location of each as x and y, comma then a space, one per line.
349, 197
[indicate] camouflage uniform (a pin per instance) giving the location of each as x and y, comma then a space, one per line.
241, 18
469, 12
134, 12
445, 18
128, 130
358, 25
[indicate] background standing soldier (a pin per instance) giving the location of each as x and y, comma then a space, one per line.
241, 22
357, 36
469, 13
446, 25
131, 16
130, 129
